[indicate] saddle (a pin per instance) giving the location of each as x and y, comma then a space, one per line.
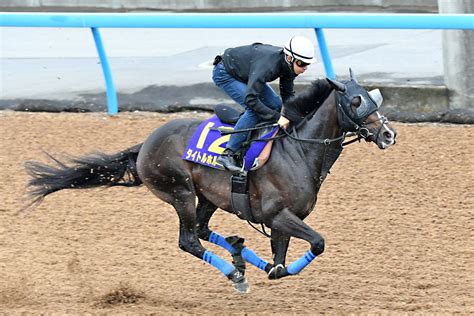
227, 114
256, 150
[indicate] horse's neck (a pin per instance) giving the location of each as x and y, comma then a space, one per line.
324, 123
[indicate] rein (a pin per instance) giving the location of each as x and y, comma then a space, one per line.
326, 141
361, 131
225, 131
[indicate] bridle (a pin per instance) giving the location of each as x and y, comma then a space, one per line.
365, 133
357, 126
362, 132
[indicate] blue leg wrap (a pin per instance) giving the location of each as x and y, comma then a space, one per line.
301, 263
219, 240
248, 254
252, 258
214, 260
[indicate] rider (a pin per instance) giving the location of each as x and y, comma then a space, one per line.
244, 73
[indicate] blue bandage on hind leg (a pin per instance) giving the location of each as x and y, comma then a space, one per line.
301, 263
219, 240
214, 260
252, 258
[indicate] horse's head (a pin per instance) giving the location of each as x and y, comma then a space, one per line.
358, 112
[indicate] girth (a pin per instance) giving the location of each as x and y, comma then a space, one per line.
240, 199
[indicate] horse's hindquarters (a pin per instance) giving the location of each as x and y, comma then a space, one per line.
159, 163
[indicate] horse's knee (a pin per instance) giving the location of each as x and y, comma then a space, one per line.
317, 246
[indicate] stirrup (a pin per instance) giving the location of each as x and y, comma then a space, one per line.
229, 163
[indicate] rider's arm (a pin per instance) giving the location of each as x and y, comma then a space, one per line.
255, 87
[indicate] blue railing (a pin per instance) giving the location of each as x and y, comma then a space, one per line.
315, 21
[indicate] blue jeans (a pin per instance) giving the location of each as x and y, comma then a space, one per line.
236, 90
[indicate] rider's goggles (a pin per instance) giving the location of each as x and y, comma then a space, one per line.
301, 63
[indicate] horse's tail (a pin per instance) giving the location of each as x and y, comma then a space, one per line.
96, 169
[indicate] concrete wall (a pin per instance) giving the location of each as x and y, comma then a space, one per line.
221, 6
458, 57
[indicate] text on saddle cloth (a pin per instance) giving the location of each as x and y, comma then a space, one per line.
207, 144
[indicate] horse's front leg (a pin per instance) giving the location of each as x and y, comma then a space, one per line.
279, 243
289, 224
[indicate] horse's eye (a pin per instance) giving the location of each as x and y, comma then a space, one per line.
356, 101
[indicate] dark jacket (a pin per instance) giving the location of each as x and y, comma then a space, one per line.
255, 65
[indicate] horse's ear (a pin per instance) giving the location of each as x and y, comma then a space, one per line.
353, 77
339, 86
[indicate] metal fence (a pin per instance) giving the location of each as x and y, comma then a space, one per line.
315, 21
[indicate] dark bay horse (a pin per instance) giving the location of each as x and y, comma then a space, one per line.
282, 193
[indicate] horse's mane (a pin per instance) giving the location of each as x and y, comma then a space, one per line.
303, 104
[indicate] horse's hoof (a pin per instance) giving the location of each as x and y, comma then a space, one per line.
277, 272
242, 287
238, 281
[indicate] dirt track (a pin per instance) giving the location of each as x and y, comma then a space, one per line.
398, 226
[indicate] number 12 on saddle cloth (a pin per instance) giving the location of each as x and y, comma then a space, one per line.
207, 144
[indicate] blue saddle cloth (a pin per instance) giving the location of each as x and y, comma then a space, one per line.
207, 144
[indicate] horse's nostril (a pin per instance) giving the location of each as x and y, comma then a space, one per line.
387, 135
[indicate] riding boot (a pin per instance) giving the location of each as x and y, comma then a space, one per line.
228, 161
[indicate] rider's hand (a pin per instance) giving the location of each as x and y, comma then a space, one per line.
283, 122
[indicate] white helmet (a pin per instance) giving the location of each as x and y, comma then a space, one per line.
299, 47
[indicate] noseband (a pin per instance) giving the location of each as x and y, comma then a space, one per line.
365, 133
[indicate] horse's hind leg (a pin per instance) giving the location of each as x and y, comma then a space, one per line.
205, 210
160, 167
189, 241
233, 244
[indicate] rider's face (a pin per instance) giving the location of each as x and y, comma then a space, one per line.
299, 70
298, 67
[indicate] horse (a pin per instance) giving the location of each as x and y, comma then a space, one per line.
283, 192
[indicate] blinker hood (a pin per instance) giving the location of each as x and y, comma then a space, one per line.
352, 117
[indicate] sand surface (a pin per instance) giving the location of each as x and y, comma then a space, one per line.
398, 226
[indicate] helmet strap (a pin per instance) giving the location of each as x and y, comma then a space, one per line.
292, 54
